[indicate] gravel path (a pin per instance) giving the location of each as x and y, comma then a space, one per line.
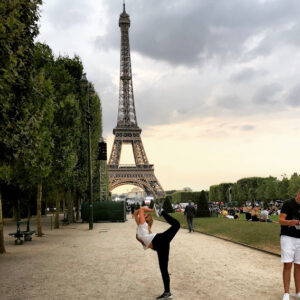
108, 263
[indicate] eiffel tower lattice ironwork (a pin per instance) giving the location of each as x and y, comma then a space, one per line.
127, 131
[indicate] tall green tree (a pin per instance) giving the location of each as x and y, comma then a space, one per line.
294, 185
18, 28
283, 188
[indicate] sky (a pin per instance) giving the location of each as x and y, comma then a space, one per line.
216, 83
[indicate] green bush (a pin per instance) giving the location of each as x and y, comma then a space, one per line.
151, 204
202, 205
184, 197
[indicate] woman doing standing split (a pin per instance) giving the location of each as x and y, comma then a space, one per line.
159, 242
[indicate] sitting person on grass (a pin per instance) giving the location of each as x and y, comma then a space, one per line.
264, 216
254, 215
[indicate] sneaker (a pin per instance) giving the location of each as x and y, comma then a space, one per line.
286, 296
297, 296
165, 296
157, 209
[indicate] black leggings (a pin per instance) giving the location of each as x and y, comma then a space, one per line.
161, 244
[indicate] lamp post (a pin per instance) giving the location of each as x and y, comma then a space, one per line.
102, 157
88, 121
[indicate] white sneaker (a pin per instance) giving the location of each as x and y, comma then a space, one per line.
297, 296
286, 296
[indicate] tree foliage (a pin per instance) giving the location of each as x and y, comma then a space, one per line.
253, 189
43, 131
202, 205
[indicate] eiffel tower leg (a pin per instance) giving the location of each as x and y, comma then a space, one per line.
115, 153
139, 152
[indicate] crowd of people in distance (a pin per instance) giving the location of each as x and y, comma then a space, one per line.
231, 213
253, 214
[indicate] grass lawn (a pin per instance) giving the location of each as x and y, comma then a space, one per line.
257, 234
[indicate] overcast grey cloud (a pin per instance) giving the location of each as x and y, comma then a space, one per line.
268, 94
190, 58
68, 13
191, 33
294, 97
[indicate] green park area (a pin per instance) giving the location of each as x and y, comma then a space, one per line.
260, 235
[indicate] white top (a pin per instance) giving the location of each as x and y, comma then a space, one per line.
142, 232
264, 214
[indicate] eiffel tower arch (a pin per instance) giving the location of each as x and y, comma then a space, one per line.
140, 174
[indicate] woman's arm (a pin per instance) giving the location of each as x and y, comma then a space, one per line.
146, 208
142, 215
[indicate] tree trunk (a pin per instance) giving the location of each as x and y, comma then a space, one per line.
64, 205
69, 206
15, 212
19, 211
56, 224
72, 202
46, 207
77, 207
2, 246
28, 212
38, 212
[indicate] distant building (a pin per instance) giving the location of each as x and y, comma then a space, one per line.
187, 189
136, 193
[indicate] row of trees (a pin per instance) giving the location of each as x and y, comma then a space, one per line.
43, 131
254, 189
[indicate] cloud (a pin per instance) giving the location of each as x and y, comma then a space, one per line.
294, 96
248, 127
191, 34
267, 94
68, 13
246, 74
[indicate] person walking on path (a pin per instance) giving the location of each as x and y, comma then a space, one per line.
290, 244
132, 210
159, 242
189, 213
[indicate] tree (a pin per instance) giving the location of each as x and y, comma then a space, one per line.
202, 205
271, 188
282, 188
18, 28
213, 193
294, 185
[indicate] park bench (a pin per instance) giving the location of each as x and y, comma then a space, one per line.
26, 234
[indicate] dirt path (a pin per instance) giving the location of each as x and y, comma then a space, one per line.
108, 263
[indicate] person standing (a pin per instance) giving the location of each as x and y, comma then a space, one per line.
189, 213
132, 210
290, 244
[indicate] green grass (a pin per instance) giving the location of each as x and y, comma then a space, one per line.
257, 234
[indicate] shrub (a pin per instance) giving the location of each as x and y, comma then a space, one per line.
202, 205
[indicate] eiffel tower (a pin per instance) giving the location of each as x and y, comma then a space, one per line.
127, 131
